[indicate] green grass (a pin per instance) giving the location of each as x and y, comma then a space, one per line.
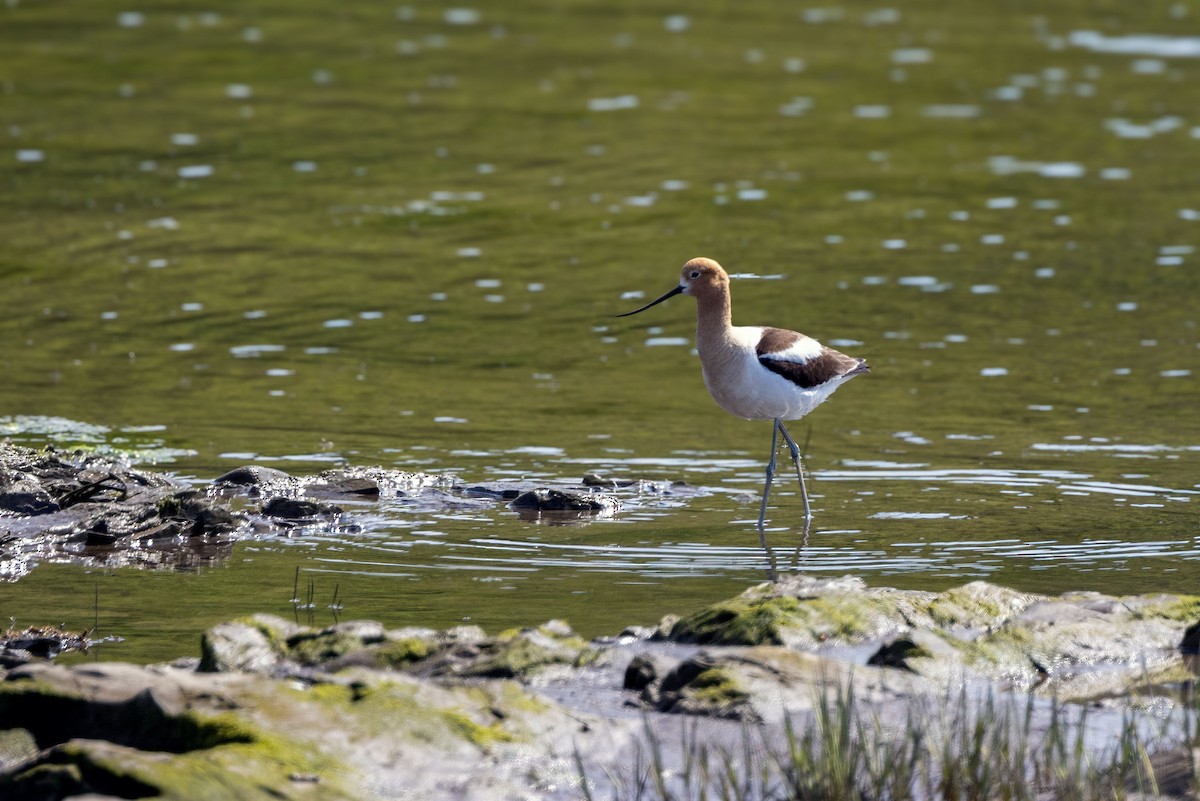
973, 749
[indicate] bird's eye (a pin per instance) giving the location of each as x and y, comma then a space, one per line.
694, 274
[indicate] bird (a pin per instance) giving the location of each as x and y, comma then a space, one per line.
758, 372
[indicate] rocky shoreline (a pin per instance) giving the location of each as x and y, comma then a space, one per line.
356, 711
272, 709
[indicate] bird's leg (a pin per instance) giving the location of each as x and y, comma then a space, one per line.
762, 512
799, 470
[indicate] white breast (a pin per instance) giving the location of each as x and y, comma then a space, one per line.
743, 387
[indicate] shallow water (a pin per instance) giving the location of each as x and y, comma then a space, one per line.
398, 236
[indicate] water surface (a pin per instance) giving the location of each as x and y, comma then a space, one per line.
397, 236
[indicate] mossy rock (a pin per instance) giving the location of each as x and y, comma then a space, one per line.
1181, 608
739, 621
402, 652
316, 648
978, 605
718, 688
515, 654
837, 617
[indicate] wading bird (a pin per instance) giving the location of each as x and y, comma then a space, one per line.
757, 372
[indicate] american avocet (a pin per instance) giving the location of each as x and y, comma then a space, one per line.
757, 372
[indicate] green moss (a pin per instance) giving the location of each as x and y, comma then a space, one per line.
313, 649
718, 687
516, 658
515, 654
398, 653
55, 717
845, 617
975, 604
232, 759
1183, 608
43, 780
482, 736
275, 635
330, 692
739, 621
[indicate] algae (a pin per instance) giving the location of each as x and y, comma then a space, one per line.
718, 687
54, 717
515, 653
1182, 608
484, 737
402, 652
315, 648
739, 621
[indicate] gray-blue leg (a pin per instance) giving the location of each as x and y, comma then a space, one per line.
762, 510
795, 450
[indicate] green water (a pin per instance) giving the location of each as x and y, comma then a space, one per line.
306, 234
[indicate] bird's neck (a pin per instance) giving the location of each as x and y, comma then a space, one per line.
714, 318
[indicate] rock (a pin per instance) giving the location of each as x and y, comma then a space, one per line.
521, 653
553, 500
237, 647
371, 482
596, 480
43, 642
297, 509
358, 711
25, 497
978, 605
1190, 644
130, 732
101, 511
1079, 646
804, 613
251, 475
906, 651
644, 670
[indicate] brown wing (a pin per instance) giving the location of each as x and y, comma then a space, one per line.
775, 352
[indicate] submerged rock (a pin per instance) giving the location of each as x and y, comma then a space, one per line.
297, 509
553, 500
95, 509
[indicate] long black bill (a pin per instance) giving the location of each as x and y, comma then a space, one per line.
670, 294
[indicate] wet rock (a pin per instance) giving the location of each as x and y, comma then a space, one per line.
371, 482
251, 475
596, 480
554, 500
701, 685
298, 509
642, 671
103, 511
1190, 644
22, 495
94, 509
499, 490
43, 642
908, 651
